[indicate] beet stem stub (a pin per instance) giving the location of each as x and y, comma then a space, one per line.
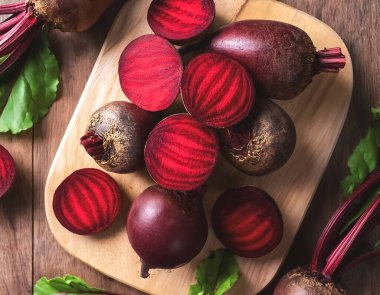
330, 60
93, 144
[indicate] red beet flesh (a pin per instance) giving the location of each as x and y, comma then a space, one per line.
7, 171
247, 221
166, 228
280, 57
180, 152
150, 71
87, 201
116, 136
217, 90
180, 21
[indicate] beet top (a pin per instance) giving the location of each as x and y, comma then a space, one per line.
150, 71
281, 58
217, 90
87, 201
247, 221
180, 152
7, 171
180, 21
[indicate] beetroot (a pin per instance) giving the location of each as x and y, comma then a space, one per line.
247, 221
166, 228
333, 253
150, 71
116, 136
7, 171
17, 31
180, 21
180, 152
87, 201
217, 90
261, 143
280, 57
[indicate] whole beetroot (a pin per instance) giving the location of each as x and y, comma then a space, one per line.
281, 57
116, 135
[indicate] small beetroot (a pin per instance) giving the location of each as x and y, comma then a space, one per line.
7, 171
87, 201
247, 221
217, 90
180, 21
150, 71
180, 152
116, 136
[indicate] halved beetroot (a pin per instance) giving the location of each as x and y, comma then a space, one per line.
7, 171
180, 21
87, 201
247, 221
150, 71
180, 152
217, 90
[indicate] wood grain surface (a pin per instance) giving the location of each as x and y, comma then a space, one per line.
27, 247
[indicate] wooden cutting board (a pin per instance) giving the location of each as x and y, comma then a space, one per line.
319, 114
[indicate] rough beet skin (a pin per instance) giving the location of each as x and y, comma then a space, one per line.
116, 136
217, 90
180, 152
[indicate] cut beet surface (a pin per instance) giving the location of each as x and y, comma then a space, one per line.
7, 171
180, 21
247, 221
180, 152
217, 90
150, 71
87, 201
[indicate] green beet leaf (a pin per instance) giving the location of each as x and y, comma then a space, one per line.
363, 160
216, 274
27, 94
377, 245
68, 284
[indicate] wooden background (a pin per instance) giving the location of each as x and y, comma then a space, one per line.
28, 249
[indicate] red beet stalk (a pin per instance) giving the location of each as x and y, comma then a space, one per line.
93, 144
330, 60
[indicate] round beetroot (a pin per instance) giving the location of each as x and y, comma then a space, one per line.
7, 171
150, 71
166, 228
180, 152
87, 201
217, 90
116, 136
180, 21
247, 221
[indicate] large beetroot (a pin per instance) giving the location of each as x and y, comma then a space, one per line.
281, 57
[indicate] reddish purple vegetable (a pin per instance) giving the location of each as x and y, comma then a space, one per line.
247, 221
180, 153
27, 17
333, 253
7, 171
261, 143
280, 57
180, 21
166, 228
217, 90
150, 71
87, 201
116, 136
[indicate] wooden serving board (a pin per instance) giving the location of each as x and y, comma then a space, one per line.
319, 114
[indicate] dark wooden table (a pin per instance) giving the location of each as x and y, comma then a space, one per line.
28, 249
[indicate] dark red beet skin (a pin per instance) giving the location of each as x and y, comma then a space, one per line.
247, 221
180, 152
217, 90
150, 71
280, 57
7, 171
87, 201
180, 21
166, 228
